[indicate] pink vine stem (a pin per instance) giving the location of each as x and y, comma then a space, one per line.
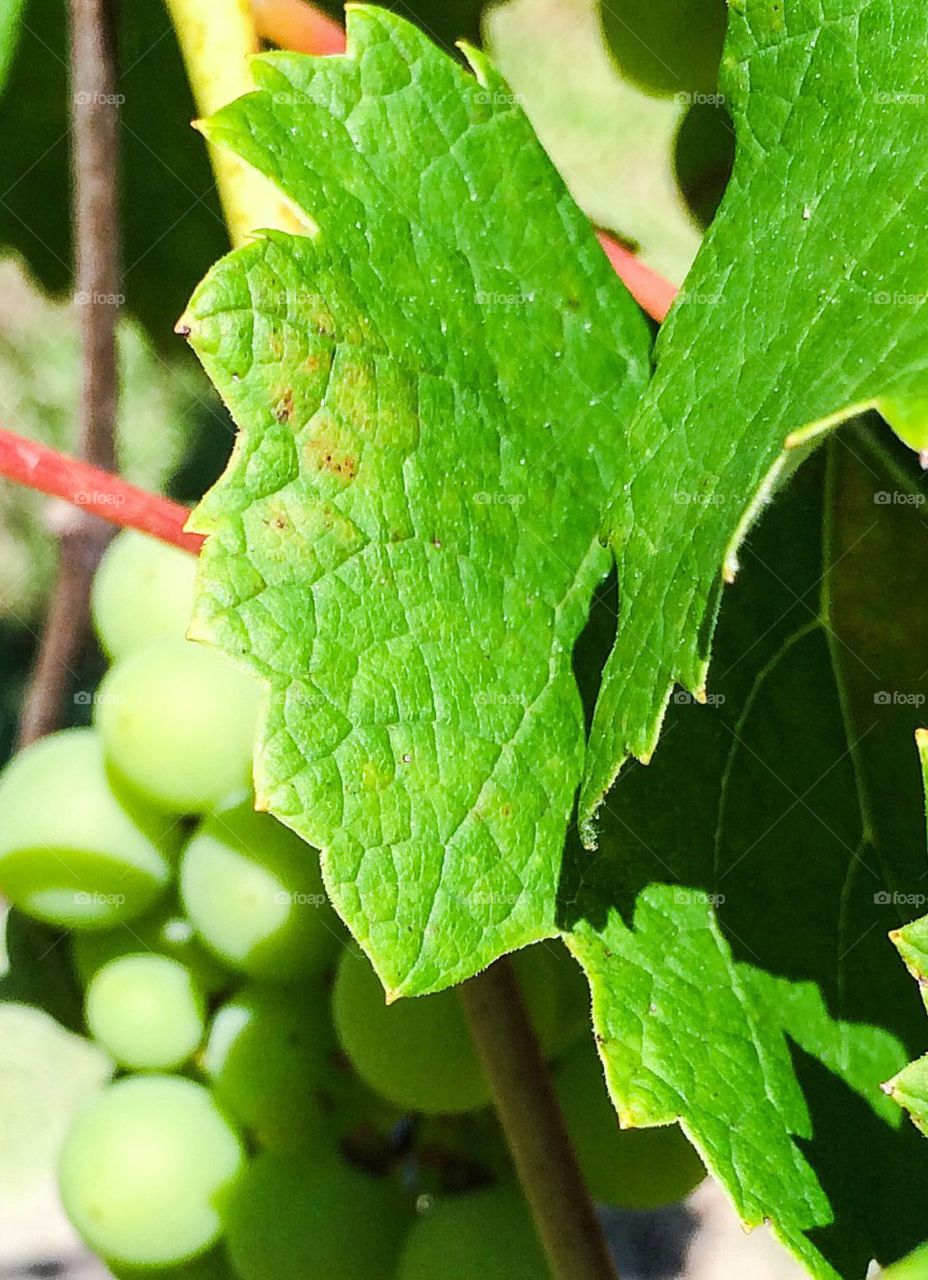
95, 491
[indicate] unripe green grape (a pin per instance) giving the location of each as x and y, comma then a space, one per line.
703, 156
293, 1218
254, 893
142, 591
631, 1168
211, 1266
483, 1235
178, 725
267, 1052
418, 1052
75, 851
146, 1170
666, 46
147, 1011
164, 930
908, 417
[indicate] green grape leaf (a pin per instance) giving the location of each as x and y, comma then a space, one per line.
910, 1086
910, 1089
733, 921
611, 143
10, 25
805, 303
46, 1073
912, 944
404, 549
430, 385
172, 227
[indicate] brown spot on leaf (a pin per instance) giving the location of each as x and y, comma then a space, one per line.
344, 466
283, 410
325, 456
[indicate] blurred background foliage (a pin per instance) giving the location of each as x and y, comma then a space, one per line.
39, 376
172, 226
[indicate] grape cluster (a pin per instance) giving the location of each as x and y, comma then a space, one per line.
271, 1116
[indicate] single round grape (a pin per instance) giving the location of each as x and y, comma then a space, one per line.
418, 1052
164, 930
254, 893
142, 591
631, 1168
482, 1235
211, 1266
178, 724
267, 1051
147, 1169
74, 850
147, 1011
667, 46
703, 157
291, 1218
